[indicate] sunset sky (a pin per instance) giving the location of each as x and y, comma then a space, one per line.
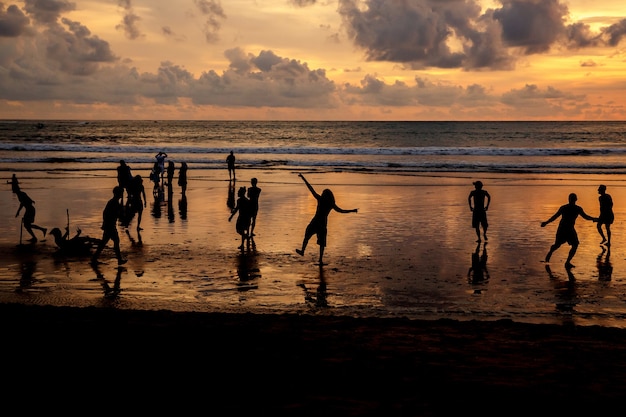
313, 59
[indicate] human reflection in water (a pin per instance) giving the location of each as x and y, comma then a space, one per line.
170, 204
566, 291
230, 200
156, 207
27, 269
603, 262
182, 207
478, 271
319, 297
110, 292
135, 242
247, 270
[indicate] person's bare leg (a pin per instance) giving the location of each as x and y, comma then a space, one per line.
608, 234
304, 243
478, 234
570, 256
601, 232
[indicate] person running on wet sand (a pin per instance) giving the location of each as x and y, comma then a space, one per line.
110, 215
319, 222
607, 216
479, 209
566, 232
29, 215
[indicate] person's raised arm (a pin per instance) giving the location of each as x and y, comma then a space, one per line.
551, 219
309, 186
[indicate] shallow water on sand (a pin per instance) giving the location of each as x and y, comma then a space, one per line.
407, 253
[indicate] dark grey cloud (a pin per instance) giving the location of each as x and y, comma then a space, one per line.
13, 22
303, 3
47, 11
214, 14
458, 34
130, 21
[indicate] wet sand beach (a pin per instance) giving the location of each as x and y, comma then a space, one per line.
393, 325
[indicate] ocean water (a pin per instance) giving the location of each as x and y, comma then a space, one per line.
389, 147
407, 253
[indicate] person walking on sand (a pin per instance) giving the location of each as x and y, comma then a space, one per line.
230, 162
319, 223
566, 231
479, 208
253, 195
29, 215
182, 177
606, 217
124, 175
244, 218
171, 168
110, 215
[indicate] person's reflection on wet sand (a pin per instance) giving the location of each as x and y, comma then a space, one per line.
566, 291
603, 263
247, 270
156, 208
319, 297
110, 292
182, 207
27, 269
478, 271
135, 242
230, 200
170, 204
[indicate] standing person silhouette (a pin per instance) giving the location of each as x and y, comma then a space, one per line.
479, 208
182, 177
136, 198
230, 162
15, 184
319, 223
253, 195
566, 232
111, 213
244, 218
29, 215
171, 168
124, 175
160, 162
606, 217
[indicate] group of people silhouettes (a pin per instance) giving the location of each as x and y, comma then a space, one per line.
479, 200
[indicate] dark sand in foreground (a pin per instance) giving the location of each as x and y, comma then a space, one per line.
309, 365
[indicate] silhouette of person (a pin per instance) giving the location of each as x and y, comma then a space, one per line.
124, 175
566, 231
253, 195
160, 162
243, 220
110, 215
478, 271
479, 208
606, 217
136, 199
29, 215
76, 246
15, 184
182, 177
230, 162
171, 168
319, 223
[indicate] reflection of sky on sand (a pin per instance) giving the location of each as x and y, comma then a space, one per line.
406, 252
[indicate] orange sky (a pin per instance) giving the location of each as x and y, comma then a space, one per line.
313, 60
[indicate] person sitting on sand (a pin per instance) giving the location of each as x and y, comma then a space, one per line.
319, 222
245, 216
29, 215
75, 246
566, 232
